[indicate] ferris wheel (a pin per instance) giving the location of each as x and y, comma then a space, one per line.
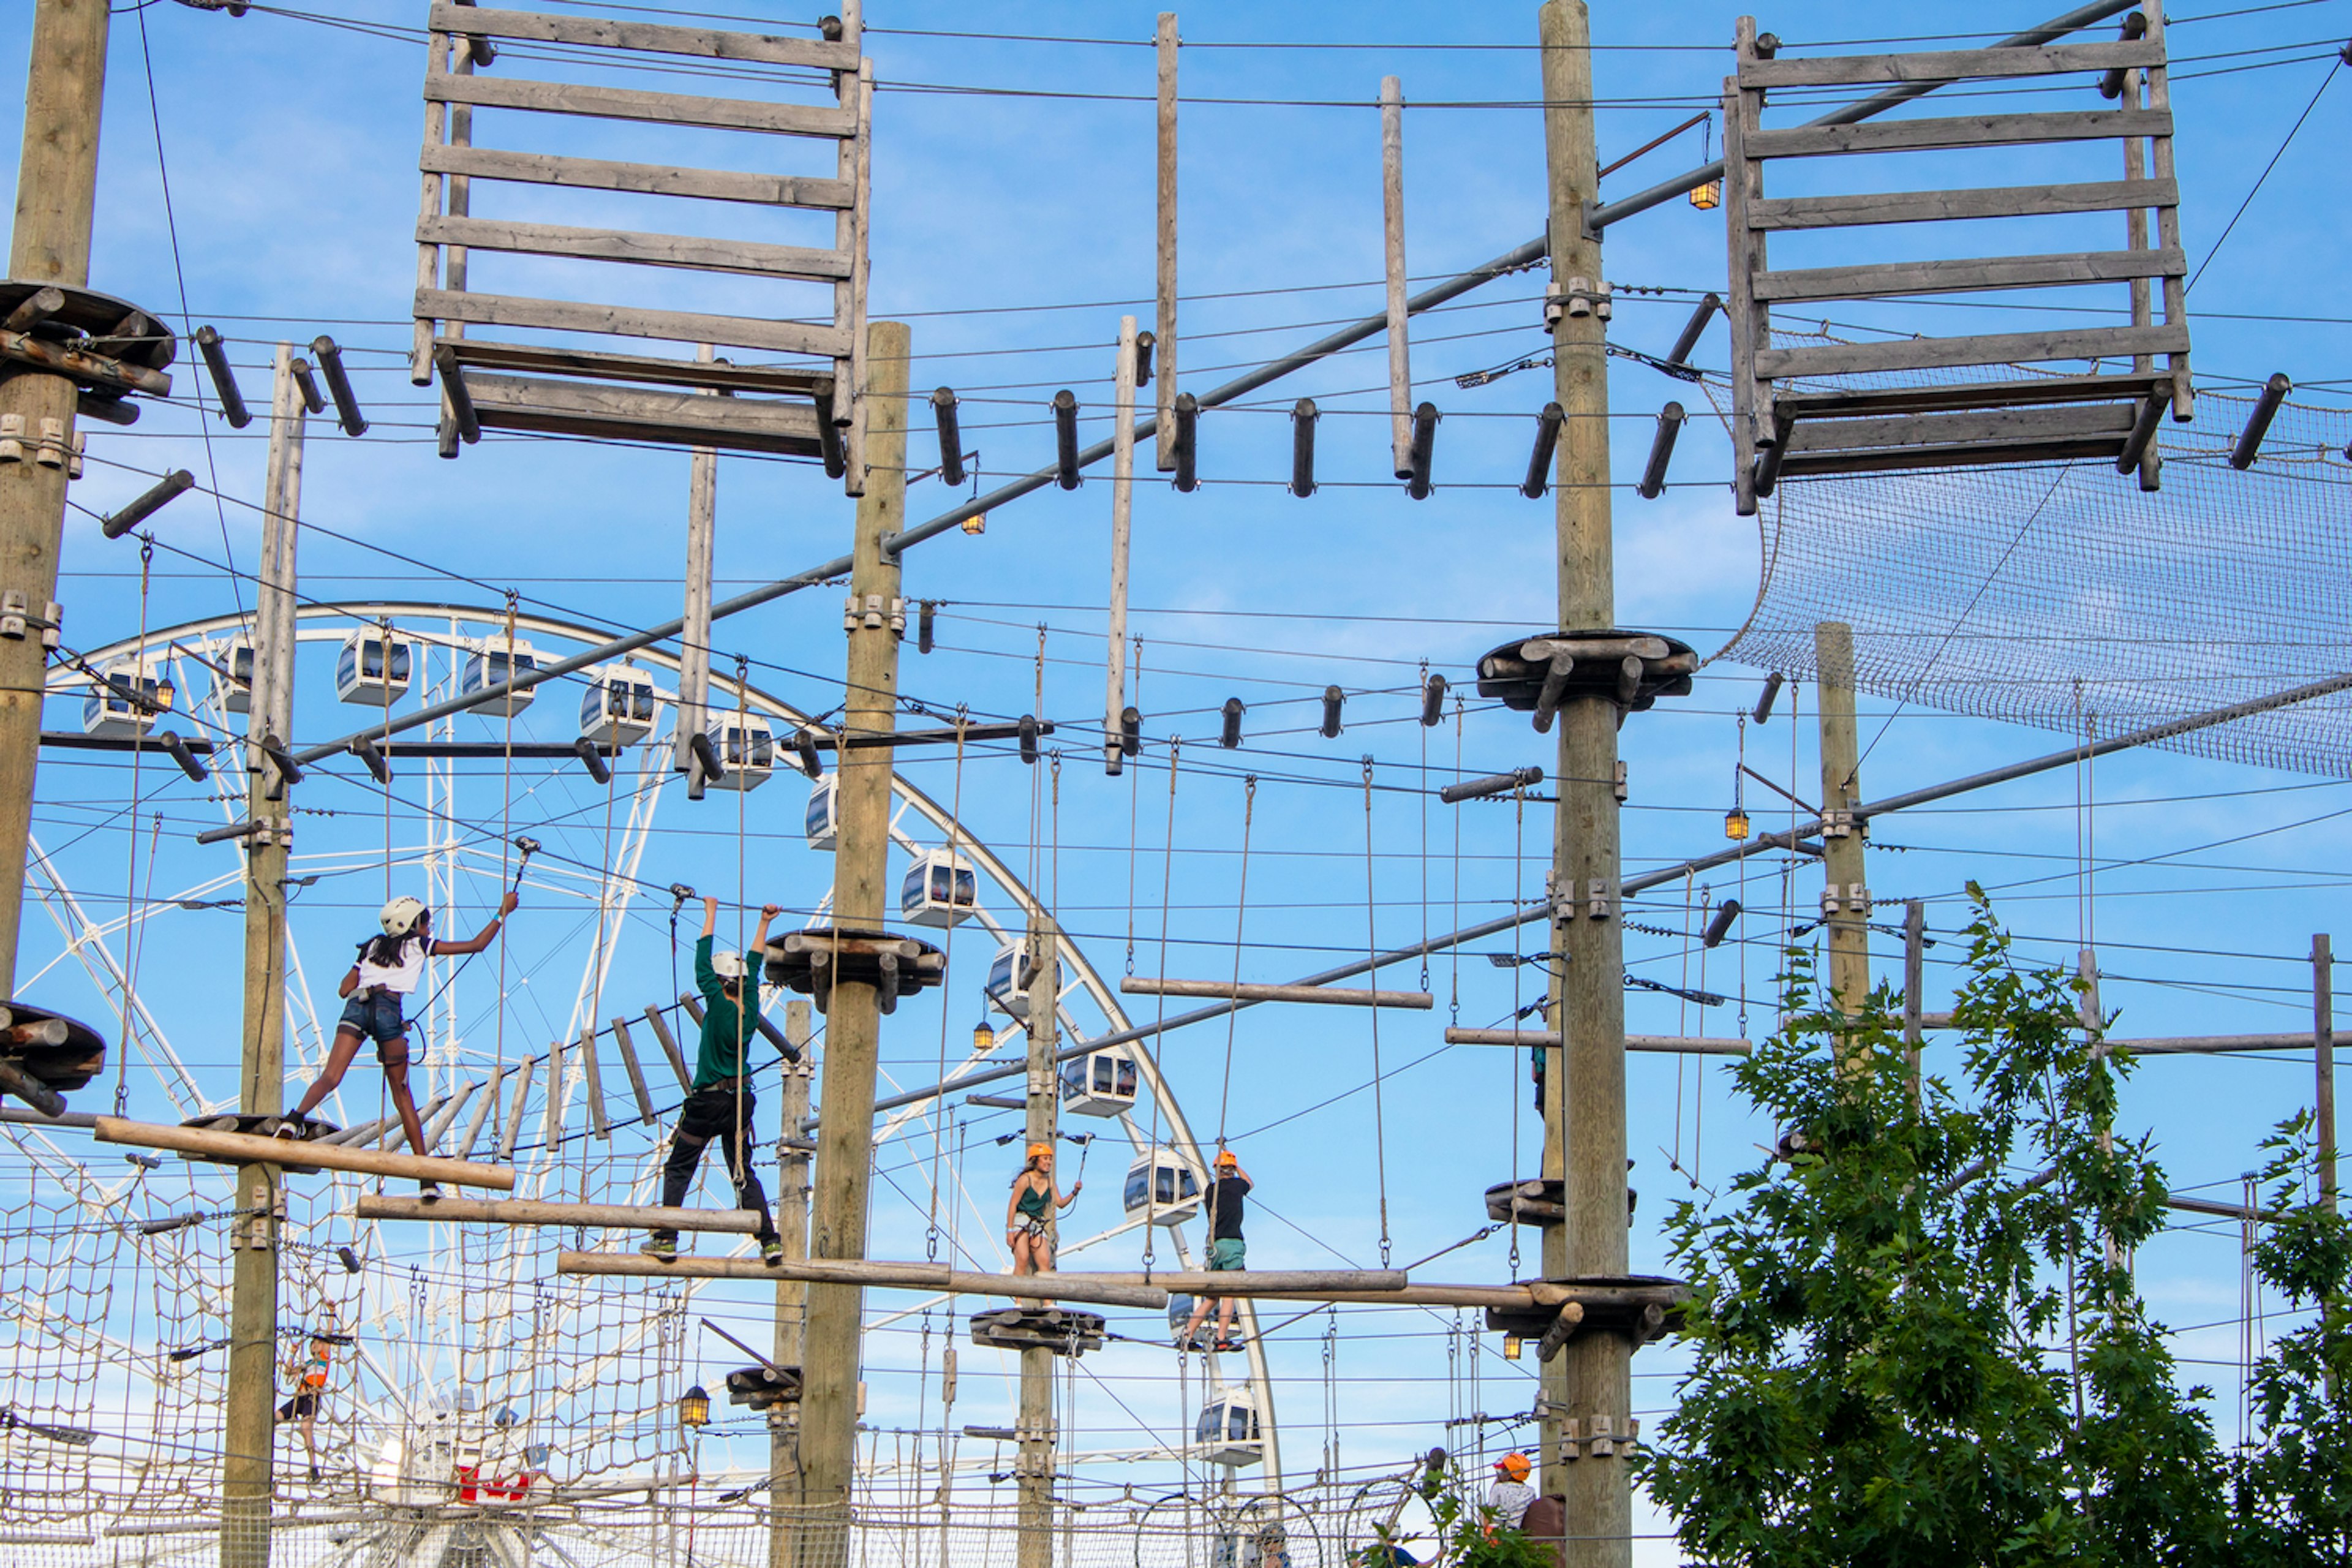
461, 1363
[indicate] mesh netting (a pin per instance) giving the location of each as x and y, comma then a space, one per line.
2062, 595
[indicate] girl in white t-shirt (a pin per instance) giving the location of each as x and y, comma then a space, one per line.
389, 968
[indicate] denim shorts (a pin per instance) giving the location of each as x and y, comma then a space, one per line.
375, 1014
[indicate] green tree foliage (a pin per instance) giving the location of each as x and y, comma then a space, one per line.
1915, 1335
2293, 1488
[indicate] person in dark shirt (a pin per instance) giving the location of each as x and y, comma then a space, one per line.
721, 1104
1225, 1250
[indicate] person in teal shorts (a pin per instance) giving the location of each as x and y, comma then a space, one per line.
1226, 1250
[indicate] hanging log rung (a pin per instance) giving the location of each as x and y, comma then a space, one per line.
248, 1148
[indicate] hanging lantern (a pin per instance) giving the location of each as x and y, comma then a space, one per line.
1708, 197
983, 1038
976, 523
694, 1407
1734, 823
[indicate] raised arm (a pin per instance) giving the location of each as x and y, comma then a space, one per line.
487, 935
760, 934
710, 916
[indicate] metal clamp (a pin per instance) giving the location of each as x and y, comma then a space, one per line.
1837, 822
1620, 785
54, 450
1597, 903
11, 438
1578, 297
17, 616
1599, 1437
257, 1231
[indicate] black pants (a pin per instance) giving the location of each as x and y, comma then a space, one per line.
712, 1115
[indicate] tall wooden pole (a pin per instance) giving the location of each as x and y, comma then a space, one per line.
792, 1294
250, 1436
1588, 1387
1122, 503
1845, 901
2323, 1057
694, 637
1035, 1432
1164, 332
56, 189
852, 1024
1393, 252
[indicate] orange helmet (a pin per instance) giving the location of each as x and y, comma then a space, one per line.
1040, 1151
1227, 1157
1514, 1465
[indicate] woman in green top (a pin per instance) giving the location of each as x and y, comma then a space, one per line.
1031, 1204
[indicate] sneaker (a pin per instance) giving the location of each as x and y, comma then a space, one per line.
287, 1128
429, 1191
772, 1251
661, 1245
1224, 1345
314, 1475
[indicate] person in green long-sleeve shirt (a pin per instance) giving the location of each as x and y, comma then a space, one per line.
721, 1104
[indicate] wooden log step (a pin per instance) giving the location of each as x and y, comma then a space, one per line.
585, 364
247, 1148
799, 262
925, 1276
824, 339
1994, 348
597, 32
528, 1211
1947, 65
646, 179
2110, 422
2033, 390
1955, 276
644, 414
1952, 132
1854, 210
658, 108
1228, 991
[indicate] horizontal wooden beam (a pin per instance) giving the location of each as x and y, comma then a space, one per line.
1994, 348
652, 37
824, 339
1855, 210
1855, 402
528, 1211
586, 364
929, 1278
1671, 1044
1966, 276
2110, 422
2213, 1044
615, 413
1257, 1281
1958, 130
799, 262
655, 107
247, 1148
1948, 65
646, 179
1227, 990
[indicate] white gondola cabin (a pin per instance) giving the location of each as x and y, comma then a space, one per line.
493, 663
109, 710
373, 670
824, 819
1167, 1184
618, 708
940, 890
1100, 1083
746, 748
233, 677
1227, 1432
1008, 977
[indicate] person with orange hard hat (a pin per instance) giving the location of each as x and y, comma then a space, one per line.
1230, 1186
1510, 1494
1031, 1208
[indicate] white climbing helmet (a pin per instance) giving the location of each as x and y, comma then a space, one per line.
400, 916
727, 965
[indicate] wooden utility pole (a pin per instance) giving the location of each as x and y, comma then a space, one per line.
1845, 901
249, 1437
1034, 1431
1393, 252
1122, 505
56, 190
2322, 1056
1915, 985
830, 1362
694, 637
1588, 1387
792, 1294
1164, 333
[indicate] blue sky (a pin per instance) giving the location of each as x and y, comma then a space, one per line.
1014, 227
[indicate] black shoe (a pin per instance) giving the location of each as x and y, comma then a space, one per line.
429, 1191
314, 1475
661, 1245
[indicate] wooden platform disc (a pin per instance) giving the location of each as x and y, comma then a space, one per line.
812, 962
1063, 1331
1514, 674
67, 1064
1643, 1307
762, 1387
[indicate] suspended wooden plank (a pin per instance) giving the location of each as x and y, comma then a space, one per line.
645, 179
1977, 202
1955, 276
790, 261
529, 1211
247, 1148
1957, 132
597, 32
1947, 65
1993, 348
2011, 394
627, 321
636, 1074
1228, 991
553, 360
669, 1048
614, 413
629, 103
592, 1079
